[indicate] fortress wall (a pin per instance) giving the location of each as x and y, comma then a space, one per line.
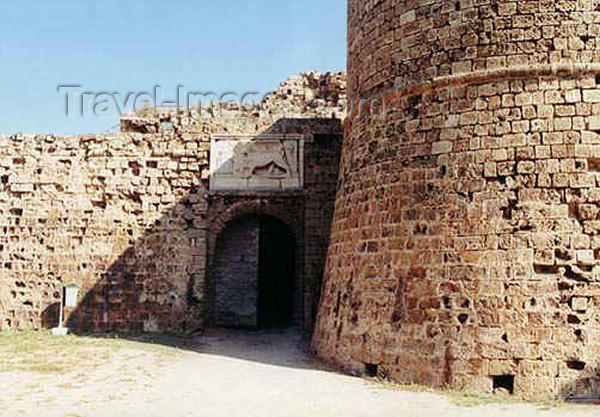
116, 214
128, 217
464, 250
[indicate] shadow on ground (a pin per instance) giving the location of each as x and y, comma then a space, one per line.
283, 346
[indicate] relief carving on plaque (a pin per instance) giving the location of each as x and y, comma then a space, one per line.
272, 163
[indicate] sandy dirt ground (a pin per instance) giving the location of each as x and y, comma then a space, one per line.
225, 373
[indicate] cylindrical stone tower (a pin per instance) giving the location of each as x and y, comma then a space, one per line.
466, 239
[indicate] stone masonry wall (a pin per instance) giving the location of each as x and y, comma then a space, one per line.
128, 216
116, 214
321, 177
465, 243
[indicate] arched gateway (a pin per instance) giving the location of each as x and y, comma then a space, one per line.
254, 273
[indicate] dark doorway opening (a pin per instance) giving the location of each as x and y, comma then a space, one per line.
254, 274
276, 267
504, 382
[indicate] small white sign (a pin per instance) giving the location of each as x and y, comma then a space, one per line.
71, 295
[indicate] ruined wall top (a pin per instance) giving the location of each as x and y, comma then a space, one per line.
310, 95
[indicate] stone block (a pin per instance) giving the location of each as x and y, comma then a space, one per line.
525, 167
449, 134
582, 180
591, 96
590, 137
562, 123
489, 170
579, 304
573, 96
594, 122
585, 257
441, 147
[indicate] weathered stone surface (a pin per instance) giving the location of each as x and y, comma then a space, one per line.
463, 254
129, 217
268, 163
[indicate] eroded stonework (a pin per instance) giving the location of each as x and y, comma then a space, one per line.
130, 218
465, 242
272, 163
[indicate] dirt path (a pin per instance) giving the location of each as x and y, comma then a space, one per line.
237, 374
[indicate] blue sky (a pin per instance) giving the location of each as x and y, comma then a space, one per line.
131, 45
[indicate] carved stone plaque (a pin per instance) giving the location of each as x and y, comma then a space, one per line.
266, 162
